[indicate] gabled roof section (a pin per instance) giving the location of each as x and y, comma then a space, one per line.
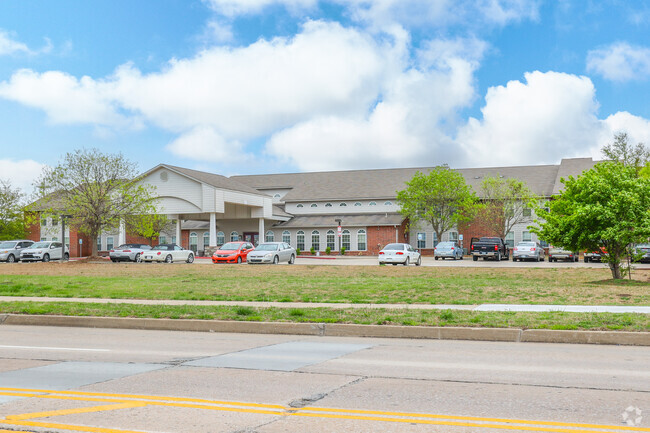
571, 167
211, 179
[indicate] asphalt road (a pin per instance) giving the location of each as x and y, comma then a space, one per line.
111, 381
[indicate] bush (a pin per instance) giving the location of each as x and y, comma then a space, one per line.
298, 251
312, 250
342, 251
328, 250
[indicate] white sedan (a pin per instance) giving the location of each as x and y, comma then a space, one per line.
399, 254
168, 253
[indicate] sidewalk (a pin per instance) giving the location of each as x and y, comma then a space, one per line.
482, 307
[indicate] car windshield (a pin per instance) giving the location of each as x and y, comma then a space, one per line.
8, 244
526, 244
160, 248
41, 245
267, 247
398, 247
445, 245
125, 246
230, 246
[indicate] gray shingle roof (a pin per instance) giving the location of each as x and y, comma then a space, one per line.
215, 180
347, 220
571, 167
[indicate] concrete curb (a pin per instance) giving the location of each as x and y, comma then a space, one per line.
339, 330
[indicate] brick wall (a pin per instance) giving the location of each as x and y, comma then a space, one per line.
79, 250
379, 236
185, 239
33, 226
476, 228
136, 239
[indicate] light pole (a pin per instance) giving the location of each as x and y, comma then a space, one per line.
338, 223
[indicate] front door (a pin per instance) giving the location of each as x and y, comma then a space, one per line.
252, 237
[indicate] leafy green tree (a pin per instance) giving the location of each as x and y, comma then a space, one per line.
440, 198
97, 190
149, 226
605, 207
637, 157
506, 203
12, 223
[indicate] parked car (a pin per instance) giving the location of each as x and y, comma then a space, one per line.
272, 252
232, 252
128, 252
10, 250
448, 250
528, 251
555, 254
44, 251
487, 247
645, 250
594, 256
399, 254
168, 253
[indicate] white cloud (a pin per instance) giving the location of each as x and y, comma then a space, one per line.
205, 144
620, 62
10, 46
550, 116
21, 173
233, 8
637, 128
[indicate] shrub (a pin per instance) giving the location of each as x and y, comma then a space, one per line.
312, 250
328, 250
298, 251
342, 251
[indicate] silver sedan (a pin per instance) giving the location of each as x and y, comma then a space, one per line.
272, 252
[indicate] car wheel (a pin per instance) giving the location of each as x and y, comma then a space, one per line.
292, 259
11, 258
436, 258
66, 257
394, 264
276, 260
419, 262
238, 260
46, 258
498, 257
190, 258
407, 261
168, 259
138, 258
475, 258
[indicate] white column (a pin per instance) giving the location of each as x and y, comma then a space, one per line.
121, 235
178, 231
213, 229
262, 232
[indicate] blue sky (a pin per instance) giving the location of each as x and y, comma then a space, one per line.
263, 86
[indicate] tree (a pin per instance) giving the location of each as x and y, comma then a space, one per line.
605, 207
12, 223
97, 190
149, 226
627, 154
441, 198
507, 202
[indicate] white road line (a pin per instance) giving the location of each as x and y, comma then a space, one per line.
54, 348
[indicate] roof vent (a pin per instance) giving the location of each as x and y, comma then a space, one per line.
164, 176
477, 177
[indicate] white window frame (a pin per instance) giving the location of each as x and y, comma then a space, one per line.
362, 240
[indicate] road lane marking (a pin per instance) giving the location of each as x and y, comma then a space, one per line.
69, 427
123, 401
76, 349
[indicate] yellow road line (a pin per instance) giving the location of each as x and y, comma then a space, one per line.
69, 427
61, 412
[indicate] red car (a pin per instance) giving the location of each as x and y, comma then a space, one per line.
232, 252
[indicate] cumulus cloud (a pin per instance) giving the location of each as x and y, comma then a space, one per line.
231, 8
21, 173
11, 46
620, 62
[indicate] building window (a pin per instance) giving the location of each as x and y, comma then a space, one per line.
331, 240
357, 204
361, 240
315, 240
299, 205
109, 243
270, 236
343, 204
453, 236
388, 203
45, 239
313, 205
286, 237
277, 196
99, 243
55, 238
510, 239
174, 240
234, 236
300, 240
328, 204
422, 240
43, 222
67, 241
526, 237
528, 212
435, 239
221, 238
345, 239
162, 239
206, 240
372, 203
194, 242
55, 221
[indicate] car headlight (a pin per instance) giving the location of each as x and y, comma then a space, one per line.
4, 252
268, 256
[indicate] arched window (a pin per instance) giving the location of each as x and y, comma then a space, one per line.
372, 203
315, 240
357, 204
286, 237
361, 240
270, 236
313, 205
299, 205
345, 239
194, 241
331, 240
388, 203
300, 240
343, 204
234, 236
221, 238
206, 239
328, 204
277, 196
